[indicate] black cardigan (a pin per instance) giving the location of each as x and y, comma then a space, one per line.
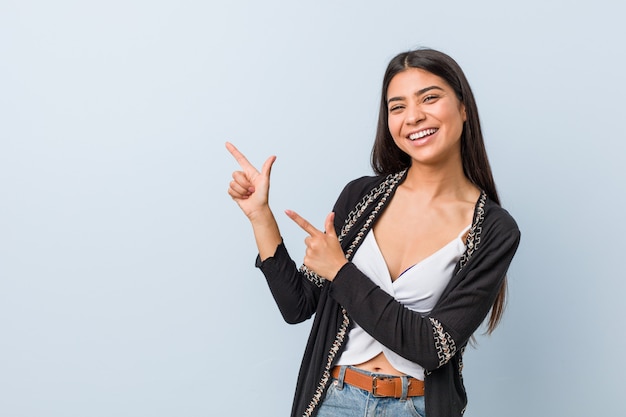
435, 341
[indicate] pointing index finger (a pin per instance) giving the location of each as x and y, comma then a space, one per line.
302, 222
239, 157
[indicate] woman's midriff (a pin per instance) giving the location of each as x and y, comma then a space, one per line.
380, 365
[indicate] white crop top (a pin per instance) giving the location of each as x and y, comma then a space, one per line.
418, 288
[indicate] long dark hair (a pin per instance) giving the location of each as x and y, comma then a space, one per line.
387, 158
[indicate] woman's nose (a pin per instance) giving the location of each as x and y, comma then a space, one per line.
414, 115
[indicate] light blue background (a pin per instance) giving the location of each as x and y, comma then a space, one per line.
127, 285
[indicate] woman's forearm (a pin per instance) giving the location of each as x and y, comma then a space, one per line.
266, 232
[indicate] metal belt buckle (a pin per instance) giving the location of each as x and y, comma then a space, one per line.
374, 381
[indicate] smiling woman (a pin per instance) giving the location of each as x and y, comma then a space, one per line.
409, 263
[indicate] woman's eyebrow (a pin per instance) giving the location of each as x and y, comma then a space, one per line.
418, 93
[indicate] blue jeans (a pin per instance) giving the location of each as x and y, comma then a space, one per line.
343, 400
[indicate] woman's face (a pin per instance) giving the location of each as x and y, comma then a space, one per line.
425, 117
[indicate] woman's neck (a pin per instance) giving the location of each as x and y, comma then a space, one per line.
435, 182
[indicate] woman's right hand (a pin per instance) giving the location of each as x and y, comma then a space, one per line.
249, 187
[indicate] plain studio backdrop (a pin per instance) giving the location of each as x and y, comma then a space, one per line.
127, 279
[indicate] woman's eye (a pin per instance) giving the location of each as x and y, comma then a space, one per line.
430, 98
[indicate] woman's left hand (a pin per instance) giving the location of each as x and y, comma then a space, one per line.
324, 255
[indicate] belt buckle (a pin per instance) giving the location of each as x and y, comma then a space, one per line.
374, 387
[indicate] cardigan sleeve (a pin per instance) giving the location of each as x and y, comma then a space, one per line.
295, 295
431, 340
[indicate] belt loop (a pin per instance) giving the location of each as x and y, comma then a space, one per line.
405, 387
342, 376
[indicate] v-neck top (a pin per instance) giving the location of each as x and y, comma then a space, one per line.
417, 288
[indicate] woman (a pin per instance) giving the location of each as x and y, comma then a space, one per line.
410, 262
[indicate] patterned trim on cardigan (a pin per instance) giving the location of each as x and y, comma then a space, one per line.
461, 352
319, 391
384, 189
444, 343
473, 241
312, 276
475, 233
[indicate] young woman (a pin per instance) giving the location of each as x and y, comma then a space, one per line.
410, 261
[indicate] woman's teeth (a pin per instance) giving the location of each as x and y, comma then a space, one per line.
421, 134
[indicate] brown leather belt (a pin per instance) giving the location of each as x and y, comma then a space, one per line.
380, 386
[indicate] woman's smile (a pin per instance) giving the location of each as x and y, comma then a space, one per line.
422, 136
422, 133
